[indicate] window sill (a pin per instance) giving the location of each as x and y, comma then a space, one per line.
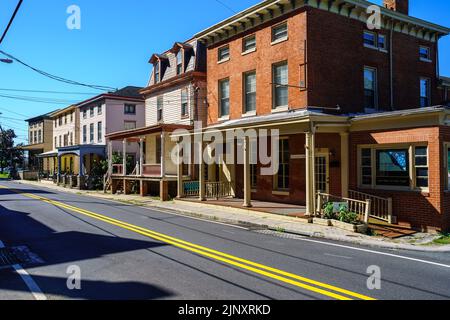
281, 193
368, 46
426, 60
248, 52
280, 109
249, 114
279, 41
223, 61
424, 191
254, 191
225, 118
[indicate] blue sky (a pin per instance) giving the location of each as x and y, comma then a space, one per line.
115, 43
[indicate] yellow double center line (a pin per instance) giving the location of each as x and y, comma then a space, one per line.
273, 273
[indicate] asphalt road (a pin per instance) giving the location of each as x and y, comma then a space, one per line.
130, 252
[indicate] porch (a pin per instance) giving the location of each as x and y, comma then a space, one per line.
139, 160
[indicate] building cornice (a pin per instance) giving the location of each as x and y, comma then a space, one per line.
354, 9
172, 82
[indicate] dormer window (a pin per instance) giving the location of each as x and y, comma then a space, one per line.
179, 62
157, 72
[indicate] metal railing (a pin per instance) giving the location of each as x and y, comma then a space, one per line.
191, 188
361, 208
217, 190
381, 208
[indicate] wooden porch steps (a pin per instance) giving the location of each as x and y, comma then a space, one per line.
387, 230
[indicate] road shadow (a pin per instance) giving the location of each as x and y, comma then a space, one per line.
5, 192
66, 248
90, 289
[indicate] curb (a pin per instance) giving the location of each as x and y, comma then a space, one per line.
249, 225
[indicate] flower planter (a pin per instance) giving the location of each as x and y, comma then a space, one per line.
359, 228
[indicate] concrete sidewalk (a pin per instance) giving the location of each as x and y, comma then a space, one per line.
259, 220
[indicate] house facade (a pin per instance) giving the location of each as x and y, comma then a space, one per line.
174, 98
40, 140
359, 111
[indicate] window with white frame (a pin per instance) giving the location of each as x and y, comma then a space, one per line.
179, 62
91, 133
370, 39
84, 134
184, 103
370, 88
390, 167
280, 32
99, 131
99, 109
224, 97
375, 41
425, 92
159, 108
382, 44
157, 72
92, 112
223, 53
129, 125
250, 91
85, 114
280, 84
249, 44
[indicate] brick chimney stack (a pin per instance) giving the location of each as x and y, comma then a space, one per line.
401, 6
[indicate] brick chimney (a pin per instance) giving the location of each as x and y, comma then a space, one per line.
401, 6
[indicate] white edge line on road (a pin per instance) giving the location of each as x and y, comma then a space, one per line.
376, 252
31, 284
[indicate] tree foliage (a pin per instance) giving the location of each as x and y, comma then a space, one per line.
11, 156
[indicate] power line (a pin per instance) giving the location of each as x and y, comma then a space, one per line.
226, 6
11, 21
44, 91
16, 113
58, 78
39, 100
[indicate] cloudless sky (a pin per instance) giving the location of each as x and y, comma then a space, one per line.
116, 40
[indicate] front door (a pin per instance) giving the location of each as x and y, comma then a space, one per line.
322, 173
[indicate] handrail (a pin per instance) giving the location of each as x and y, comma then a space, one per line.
381, 207
361, 208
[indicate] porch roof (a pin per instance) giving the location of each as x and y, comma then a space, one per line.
401, 113
135, 133
48, 154
279, 118
80, 150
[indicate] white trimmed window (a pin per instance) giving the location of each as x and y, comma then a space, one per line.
224, 98
249, 44
280, 85
280, 32
370, 88
281, 182
397, 167
249, 91
224, 53
370, 39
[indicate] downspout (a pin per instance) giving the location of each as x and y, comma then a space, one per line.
391, 64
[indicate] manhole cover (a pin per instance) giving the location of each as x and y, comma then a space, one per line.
18, 255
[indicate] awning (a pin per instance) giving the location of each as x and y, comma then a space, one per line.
49, 154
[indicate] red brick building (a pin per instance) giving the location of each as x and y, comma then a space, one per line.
353, 105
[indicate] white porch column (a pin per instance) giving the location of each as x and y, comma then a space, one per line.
247, 177
308, 173
110, 156
179, 172
344, 163
313, 172
124, 156
141, 156
201, 173
163, 154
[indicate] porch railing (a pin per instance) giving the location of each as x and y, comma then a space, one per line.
361, 208
191, 188
381, 208
217, 190
213, 190
151, 170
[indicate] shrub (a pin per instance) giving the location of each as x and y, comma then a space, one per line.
347, 216
328, 211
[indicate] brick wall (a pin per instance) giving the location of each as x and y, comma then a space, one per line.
337, 56
423, 211
261, 60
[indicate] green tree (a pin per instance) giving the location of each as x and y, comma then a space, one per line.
10, 155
